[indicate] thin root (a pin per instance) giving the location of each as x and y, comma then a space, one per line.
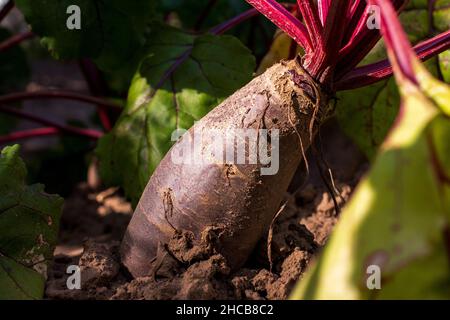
168, 207
270, 235
158, 260
301, 146
321, 163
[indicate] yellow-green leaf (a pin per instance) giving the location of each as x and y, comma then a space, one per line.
398, 219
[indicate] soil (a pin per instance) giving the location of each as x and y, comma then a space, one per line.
93, 224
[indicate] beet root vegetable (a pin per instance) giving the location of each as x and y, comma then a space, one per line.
237, 198
291, 97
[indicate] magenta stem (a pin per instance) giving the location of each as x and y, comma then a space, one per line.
312, 21
372, 73
334, 30
224, 27
227, 25
32, 133
334, 27
15, 40
357, 20
59, 94
324, 6
90, 133
397, 43
284, 20
97, 88
360, 44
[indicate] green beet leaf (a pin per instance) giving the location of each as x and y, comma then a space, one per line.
29, 222
158, 104
111, 31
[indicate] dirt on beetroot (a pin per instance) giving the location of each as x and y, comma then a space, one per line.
93, 225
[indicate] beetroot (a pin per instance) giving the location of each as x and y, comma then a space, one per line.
291, 99
237, 198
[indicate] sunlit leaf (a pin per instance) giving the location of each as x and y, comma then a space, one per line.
398, 219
